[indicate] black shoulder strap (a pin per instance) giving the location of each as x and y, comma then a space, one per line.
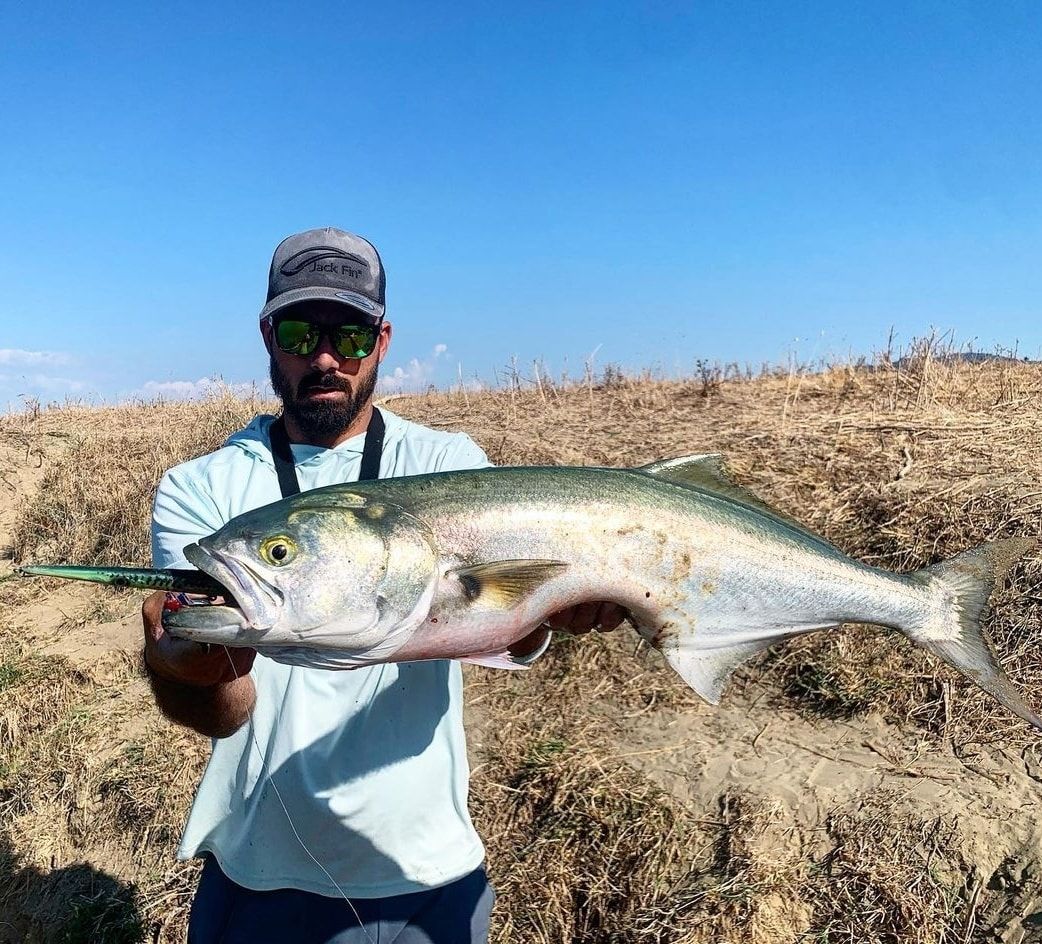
373, 448
282, 455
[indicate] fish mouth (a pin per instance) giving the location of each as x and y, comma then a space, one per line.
251, 607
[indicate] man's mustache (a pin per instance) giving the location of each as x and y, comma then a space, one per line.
318, 381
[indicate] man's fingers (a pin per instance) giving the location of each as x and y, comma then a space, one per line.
189, 657
240, 659
610, 617
602, 616
185, 661
562, 619
586, 617
152, 615
194, 663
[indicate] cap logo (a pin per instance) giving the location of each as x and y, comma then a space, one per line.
324, 259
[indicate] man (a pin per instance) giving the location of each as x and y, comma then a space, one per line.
333, 807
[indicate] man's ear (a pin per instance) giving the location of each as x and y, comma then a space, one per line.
265, 330
383, 342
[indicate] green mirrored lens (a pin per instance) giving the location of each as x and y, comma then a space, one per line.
302, 337
355, 340
296, 337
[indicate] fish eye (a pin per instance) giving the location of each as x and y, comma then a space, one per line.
278, 550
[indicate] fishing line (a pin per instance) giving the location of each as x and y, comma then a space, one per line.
285, 809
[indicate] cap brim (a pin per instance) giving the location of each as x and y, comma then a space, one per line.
296, 296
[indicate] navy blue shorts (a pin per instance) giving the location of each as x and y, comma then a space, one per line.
226, 913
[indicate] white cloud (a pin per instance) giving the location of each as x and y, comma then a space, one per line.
192, 389
15, 357
415, 376
17, 391
40, 384
48, 384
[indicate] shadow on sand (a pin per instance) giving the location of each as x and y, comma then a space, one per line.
72, 905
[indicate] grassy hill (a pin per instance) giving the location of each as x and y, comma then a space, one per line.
849, 788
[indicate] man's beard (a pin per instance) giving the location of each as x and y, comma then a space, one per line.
321, 419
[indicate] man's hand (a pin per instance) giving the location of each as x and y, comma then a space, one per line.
579, 619
603, 617
185, 662
206, 688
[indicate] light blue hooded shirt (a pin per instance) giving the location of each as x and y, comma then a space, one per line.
370, 763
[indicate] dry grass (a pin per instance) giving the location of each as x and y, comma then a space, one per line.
886, 881
93, 787
899, 464
95, 505
583, 848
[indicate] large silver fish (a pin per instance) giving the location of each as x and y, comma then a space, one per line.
462, 564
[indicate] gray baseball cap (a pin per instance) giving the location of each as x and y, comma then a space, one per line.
330, 265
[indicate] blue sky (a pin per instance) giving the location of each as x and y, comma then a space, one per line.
655, 182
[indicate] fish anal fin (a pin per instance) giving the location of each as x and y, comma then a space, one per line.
709, 473
705, 655
707, 670
504, 584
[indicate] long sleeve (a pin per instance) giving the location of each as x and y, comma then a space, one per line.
181, 515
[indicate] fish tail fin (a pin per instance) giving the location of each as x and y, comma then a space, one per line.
951, 627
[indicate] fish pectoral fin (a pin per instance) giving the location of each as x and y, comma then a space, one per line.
504, 584
495, 660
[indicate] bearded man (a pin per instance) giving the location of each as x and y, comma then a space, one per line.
333, 809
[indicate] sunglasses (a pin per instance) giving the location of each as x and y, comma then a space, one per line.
297, 336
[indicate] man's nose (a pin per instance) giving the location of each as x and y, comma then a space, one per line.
325, 356
326, 359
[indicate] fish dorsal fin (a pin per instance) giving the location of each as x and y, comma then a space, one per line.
709, 472
503, 584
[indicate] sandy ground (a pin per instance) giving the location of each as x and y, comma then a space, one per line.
62, 624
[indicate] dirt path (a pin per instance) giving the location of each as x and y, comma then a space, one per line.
74, 620
809, 769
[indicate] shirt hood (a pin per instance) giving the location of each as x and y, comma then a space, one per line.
253, 440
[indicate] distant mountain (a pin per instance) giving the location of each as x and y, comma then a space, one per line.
965, 357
